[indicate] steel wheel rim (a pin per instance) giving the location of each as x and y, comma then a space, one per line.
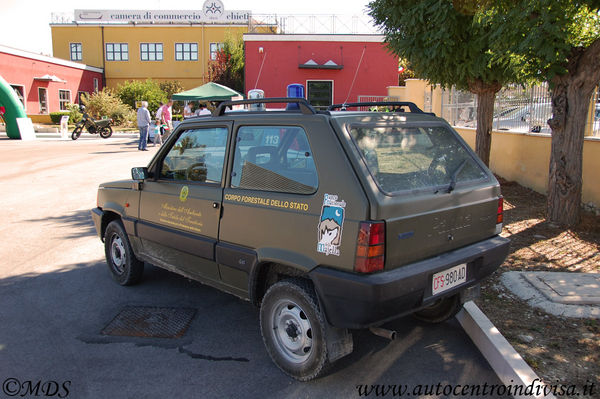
117, 254
292, 331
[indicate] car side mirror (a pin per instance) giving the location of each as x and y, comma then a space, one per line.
139, 174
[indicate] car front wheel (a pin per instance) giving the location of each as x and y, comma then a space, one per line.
124, 267
293, 329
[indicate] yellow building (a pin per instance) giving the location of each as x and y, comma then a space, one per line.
141, 44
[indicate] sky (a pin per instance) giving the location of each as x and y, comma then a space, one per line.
25, 23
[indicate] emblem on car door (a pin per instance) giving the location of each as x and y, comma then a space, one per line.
183, 194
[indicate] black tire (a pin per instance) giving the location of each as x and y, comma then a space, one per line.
124, 267
441, 310
106, 132
299, 350
76, 132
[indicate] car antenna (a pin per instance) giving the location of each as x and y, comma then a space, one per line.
355, 74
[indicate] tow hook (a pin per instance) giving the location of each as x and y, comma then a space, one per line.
383, 332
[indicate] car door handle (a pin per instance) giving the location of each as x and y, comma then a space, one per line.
216, 205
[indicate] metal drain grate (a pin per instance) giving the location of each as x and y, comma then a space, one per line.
150, 322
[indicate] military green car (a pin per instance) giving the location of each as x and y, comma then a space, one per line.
329, 221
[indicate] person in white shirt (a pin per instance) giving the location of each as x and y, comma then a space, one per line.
202, 110
187, 111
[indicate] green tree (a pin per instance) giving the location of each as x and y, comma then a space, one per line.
228, 68
557, 42
137, 90
171, 87
104, 103
446, 43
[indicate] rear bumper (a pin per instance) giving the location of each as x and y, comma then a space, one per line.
352, 300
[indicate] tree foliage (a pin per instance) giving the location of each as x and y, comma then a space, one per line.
171, 87
228, 68
446, 43
137, 90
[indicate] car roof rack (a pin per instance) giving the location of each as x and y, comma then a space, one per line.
412, 106
303, 105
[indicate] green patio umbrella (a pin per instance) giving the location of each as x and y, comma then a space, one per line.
208, 92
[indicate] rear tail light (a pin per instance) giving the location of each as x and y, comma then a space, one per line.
370, 247
500, 215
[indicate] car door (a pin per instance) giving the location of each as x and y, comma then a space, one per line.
180, 208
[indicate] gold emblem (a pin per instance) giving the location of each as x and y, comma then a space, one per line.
183, 194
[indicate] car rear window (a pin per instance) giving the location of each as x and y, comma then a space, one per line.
415, 158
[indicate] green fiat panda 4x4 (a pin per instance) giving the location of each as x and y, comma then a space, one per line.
327, 220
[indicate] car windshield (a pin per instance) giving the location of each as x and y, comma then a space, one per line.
415, 158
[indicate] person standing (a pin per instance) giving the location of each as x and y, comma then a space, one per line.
143, 121
187, 111
166, 118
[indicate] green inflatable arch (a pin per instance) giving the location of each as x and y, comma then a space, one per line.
14, 109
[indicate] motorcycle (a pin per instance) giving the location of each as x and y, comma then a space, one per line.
93, 126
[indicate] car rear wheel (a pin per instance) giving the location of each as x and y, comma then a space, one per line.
293, 329
124, 267
441, 310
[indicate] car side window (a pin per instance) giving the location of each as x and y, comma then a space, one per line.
274, 158
197, 155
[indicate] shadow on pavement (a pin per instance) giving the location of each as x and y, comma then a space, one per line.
51, 326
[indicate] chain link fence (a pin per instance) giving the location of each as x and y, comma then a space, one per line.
516, 109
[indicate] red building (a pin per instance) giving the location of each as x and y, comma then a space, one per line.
333, 68
46, 84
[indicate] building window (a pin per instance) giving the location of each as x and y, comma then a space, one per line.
214, 49
319, 93
80, 96
186, 51
151, 51
43, 100
95, 84
20, 91
76, 53
117, 52
64, 99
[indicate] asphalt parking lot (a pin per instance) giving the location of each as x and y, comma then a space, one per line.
56, 297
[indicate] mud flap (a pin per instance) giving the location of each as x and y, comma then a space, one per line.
339, 342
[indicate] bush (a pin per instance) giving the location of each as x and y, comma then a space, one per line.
103, 103
55, 116
177, 117
74, 114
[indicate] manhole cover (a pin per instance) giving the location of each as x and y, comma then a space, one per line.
150, 322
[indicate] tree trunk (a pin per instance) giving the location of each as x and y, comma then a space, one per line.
486, 95
571, 96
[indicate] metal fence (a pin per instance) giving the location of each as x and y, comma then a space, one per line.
313, 24
516, 109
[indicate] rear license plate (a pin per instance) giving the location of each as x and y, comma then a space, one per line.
448, 278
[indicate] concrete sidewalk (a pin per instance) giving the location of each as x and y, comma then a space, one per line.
558, 293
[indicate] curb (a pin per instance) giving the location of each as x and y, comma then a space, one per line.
508, 365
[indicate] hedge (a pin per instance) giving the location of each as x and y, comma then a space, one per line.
55, 116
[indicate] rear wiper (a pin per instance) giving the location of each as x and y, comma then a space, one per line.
455, 175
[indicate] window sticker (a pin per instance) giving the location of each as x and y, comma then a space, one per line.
331, 225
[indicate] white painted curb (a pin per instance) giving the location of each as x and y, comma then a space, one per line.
502, 357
